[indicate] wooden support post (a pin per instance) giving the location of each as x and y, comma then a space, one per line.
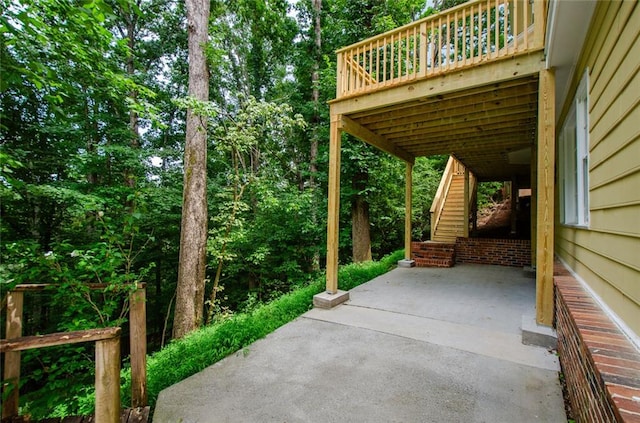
474, 206
333, 213
465, 230
534, 204
138, 342
408, 194
108, 381
545, 197
514, 205
11, 379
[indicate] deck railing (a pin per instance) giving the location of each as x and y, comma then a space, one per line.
464, 36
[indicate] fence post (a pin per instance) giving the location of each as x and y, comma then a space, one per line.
138, 342
11, 382
108, 380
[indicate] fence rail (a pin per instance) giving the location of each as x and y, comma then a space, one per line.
461, 37
107, 353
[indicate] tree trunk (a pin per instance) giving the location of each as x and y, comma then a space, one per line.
315, 96
132, 19
360, 227
193, 235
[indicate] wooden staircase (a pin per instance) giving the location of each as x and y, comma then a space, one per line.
451, 222
448, 220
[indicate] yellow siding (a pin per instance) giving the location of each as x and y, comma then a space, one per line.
607, 254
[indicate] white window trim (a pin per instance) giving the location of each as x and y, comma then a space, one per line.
574, 159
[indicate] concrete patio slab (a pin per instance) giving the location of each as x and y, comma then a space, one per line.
414, 345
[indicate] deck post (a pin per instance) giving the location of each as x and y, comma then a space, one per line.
465, 227
108, 380
333, 213
11, 378
534, 204
545, 198
408, 198
539, 22
138, 342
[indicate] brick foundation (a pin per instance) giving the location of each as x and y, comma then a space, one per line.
433, 254
601, 366
503, 252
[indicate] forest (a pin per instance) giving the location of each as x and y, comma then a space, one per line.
94, 107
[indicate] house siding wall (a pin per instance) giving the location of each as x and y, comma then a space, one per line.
606, 254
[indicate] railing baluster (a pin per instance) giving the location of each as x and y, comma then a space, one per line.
378, 61
525, 26
497, 29
455, 35
448, 58
370, 70
488, 5
399, 52
464, 37
505, 33
432, 48
409, 64
415, 51
439, 43
472, 33
423, 48
514, 23
393, 59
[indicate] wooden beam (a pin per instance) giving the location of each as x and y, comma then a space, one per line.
333, 212
488, 73
33, 287
108, 380
408, 201
545, 199
55, 339
11, 377
359, 131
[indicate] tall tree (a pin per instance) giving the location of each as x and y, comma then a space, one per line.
193, 236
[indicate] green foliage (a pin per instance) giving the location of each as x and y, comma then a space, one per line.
86, 196
55, 374
489, 193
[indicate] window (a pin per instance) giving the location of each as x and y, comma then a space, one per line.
574, 159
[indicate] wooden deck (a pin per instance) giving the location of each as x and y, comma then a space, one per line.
470, 82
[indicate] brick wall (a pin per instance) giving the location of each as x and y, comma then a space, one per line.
503, 252
600, 365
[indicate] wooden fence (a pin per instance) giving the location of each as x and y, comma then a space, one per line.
107, 379
460, 37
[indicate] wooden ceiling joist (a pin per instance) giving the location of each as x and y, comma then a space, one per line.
433, 114
483, 93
